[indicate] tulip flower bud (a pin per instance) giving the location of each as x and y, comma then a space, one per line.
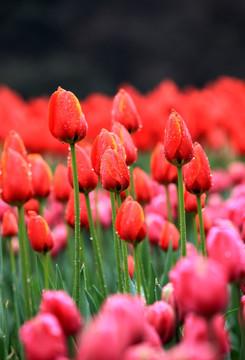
105, 140
191, 201
145, 351
127, 141
125, 112
210, 278
178, 145
43, 338
41, 175
197, 174
162, 171
66, 120
15, 178
169, 233
15, 142
32, 205
161, 316
39, 233
131, 265
61, 305
114, 173
142, 186
130, 222
9, 224
70, 211
87, 178
60, 235
61, 184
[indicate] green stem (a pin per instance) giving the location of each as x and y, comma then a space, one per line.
169, 210
41, 206
76, 291
84, 261
137, 269
125, 253
181, 211
195, 232
127, 192
201, 227
116, 244
45, 266
132, 181
97, 214
12, 258
24, 262
96, 248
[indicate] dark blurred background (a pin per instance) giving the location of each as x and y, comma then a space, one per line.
90, 46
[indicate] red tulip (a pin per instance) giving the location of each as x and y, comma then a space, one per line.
142, 185
130, 222
127, 141
144, 351
225, 246
39, 233
43, 338
105, 140
15, 142
161, 316
162, 171
32, 205
41, 175
61, 305
131, 265
191, 201
61, 184
114, 173
178, 145
169, 233
66, 120
125, 112
9, 224
212, 295
87, 178
197, 174
16, 182
70, 211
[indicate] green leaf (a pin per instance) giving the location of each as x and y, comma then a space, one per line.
36, 294
40, 271
157, 290
83, 302
152, 282
146, 257
59, 279
92, 305
132, 287
99, 295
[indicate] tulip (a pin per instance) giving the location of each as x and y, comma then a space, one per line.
142, 186
130, 222
197, 174
179, 151
144, 351
32, 205
66, 120
211, 278
39, 234
191, 201
131, 266
178, 145
9, 224
125, 112
41, 175
131, 227
60, 235
161, 316
154, 225
225, 246
87, 178
16, 181
43, 338
169, 233
15, 142
70, 213
102, 141
62, 306
162, 171
61, 184
114, 173
127, 141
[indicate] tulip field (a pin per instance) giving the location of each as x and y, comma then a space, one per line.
123, 224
